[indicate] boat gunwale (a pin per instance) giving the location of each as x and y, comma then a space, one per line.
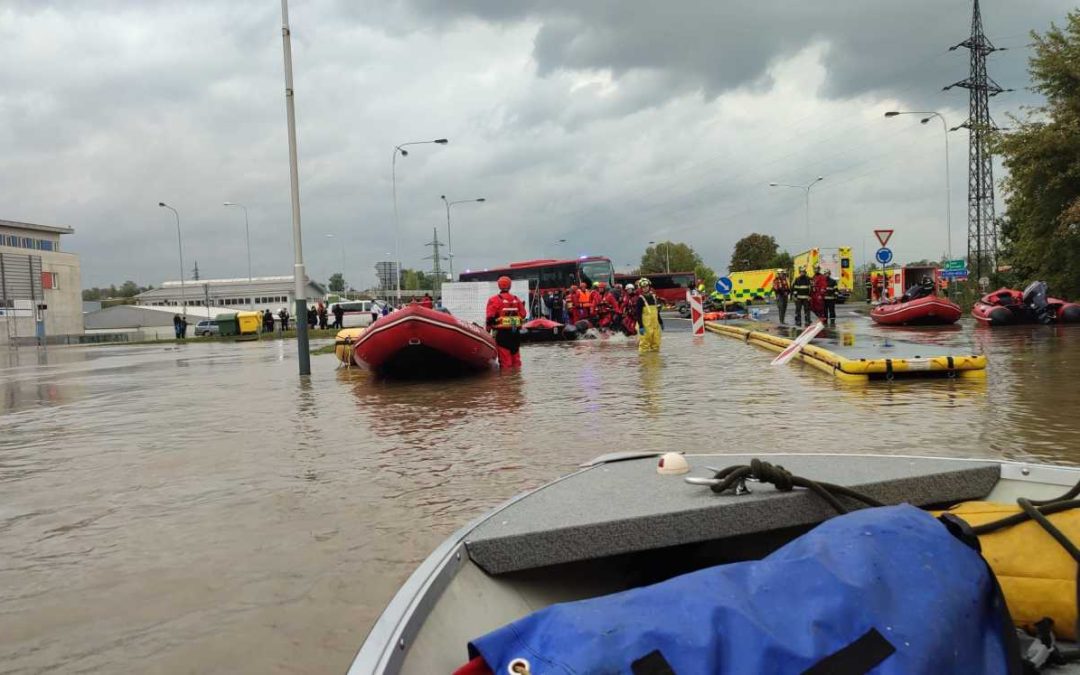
387, 642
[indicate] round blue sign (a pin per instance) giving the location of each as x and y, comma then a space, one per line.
883, 256
723, 285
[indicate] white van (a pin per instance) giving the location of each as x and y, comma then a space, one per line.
357, 312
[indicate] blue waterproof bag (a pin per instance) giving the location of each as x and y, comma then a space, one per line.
884, 590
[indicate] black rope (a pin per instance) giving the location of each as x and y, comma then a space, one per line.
785, 481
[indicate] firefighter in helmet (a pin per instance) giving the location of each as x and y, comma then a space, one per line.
505, 315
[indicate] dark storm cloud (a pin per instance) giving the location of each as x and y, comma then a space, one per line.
875, 46
606, 123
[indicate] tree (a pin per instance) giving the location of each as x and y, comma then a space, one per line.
668, 256
129, 289
782, 261
337, 282
753, 252
1041, 227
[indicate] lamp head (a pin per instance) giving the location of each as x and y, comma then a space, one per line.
924, 120
892, 113
161, 203
441, 141
481, 199
404, 152
774, 184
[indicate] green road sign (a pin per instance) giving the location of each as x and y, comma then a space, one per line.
955, 265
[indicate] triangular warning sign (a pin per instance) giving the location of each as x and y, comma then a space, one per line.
883, 236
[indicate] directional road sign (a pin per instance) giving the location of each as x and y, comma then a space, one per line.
955, 264
954, 274
883, 236
883, 256
723, 285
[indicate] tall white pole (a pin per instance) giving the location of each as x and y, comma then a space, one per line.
299, 276
180, 247
397, 226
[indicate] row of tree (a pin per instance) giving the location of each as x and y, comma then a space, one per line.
126, 290
1040, 230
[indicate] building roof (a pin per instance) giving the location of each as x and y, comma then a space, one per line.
193, 288
139, 316
52, 229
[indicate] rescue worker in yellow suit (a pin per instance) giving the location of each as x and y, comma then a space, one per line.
647, 314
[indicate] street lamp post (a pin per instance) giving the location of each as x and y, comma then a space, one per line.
180, 247
299, 275
247, 237
807, 188
667, 255
393, 181
948, 189
449, 245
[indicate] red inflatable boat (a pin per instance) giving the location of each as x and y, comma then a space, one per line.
416, 342
929, 310
1006, 307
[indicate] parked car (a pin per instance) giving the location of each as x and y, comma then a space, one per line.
205, 328
357, 312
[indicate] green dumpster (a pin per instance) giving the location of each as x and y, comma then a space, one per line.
227, 324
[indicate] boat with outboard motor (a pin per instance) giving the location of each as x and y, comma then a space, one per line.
929, 310
415, 342
1008, 306
620, 523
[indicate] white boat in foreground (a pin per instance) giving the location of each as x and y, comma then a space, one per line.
618, 524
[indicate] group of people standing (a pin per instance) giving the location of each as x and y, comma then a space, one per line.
817, 293
632, 309
617, 308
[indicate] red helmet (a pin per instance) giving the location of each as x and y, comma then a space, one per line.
583, 285
504, 283
603, 285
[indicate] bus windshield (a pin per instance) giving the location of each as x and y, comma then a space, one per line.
597, 270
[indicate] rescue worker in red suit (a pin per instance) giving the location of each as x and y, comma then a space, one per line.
596, 296
629, 307
606, 306
427, 301
818, 285
505, 314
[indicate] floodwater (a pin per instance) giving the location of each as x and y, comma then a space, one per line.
199, 508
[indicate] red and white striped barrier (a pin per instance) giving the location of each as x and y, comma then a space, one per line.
697, 313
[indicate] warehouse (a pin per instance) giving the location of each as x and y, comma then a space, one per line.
40, 285
259, 293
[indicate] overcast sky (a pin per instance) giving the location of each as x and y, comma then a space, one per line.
608, 123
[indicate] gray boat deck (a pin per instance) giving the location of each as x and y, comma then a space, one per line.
626, 507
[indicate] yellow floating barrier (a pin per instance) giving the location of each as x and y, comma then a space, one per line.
860, 370
343, 344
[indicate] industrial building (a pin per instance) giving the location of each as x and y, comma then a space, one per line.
134, 323
40, 285
259, 293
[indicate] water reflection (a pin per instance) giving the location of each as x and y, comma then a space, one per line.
237, 518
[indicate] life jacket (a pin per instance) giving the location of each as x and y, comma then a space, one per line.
781, 286
509, 315
1036, 573
584, 299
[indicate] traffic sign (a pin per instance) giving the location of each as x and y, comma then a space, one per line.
956, 264
723, 285
883, 236
954, 274
883, 255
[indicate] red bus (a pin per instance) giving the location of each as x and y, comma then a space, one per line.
549, 275
670, 287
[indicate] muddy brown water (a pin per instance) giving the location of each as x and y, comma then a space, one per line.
198, 508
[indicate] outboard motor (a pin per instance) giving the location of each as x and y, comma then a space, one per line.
1035, 300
